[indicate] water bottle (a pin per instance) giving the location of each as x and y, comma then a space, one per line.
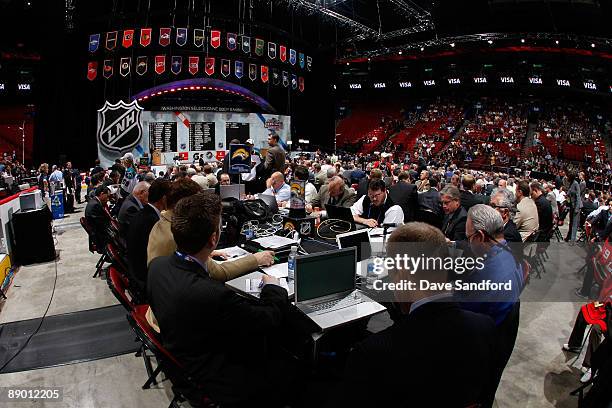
291, 263
371, 275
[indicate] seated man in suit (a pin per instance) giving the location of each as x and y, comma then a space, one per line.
404, 193
205, 324
503, 205
468, 198
455, 216
132, 204
460, 359
335, 193
430, 207
377, 208
97, 217
545, 212
362, 189
138, 237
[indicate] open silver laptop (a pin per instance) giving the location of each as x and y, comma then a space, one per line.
232, 191
359, 239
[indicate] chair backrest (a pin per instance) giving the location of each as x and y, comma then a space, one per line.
147, 335
87, 228
118, 284
116, 259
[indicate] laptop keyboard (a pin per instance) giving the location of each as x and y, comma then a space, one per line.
325, 307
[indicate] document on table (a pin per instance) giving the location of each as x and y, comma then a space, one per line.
278, 271
254, 285
233, 253
274, 242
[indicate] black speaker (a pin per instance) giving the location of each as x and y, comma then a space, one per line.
32, 236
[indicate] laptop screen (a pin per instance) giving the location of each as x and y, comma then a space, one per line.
231, 191
324, 274
360, 240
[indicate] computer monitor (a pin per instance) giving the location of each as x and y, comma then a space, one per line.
358, 239
339, 213
232, 191
324, 274
270, 200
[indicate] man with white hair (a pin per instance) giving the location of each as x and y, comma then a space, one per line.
130, 177
132, 204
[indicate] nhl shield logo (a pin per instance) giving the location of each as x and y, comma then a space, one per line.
119, 127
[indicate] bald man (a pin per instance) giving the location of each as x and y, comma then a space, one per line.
132, 205
278, 188
335, 192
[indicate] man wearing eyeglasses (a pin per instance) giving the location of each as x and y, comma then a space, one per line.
455, 216
503, 205
377, 208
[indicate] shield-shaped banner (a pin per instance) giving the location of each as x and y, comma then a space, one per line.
309, 63
181, 36
232, 39
124, 66
164, 37
285, 79
128, 38
271, 50
94, 42
177, 64
225, 67
119, 125
160, 64
252, 72
209, 66
301, 59
292, 57
264, 74
294, 83
283, 53
259, 46
215, 38
198, 37
194, 65
92, 70
142, 65
246, 44
107, 72
275, 76
238, 69
111, 40
145, 37
301, 84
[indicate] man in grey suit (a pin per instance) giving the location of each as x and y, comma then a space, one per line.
132, 205
336, 193
275, 159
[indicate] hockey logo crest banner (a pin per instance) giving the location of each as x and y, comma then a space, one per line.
145, 36
259, 47
164, 36
225, 67
141, 65
119, 125
246, 44
176, 65
272, 50
92, 70
194, 65
124, 66
94, 42
198, 37
128, 38
209, 66
111, 40
160, 64
239, 69
215, 38
283, 53
232, 40
292, 57
107, 71
252, 72
181, 36
264, 74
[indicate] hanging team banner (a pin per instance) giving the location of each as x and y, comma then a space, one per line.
111, 40
107, 71
160, 64
252, 72
176, 64
271, 50
164, 36
198, 37
292, 57
238, 69
194, 65
232, 39
209, 66
301, 84
283, 53
259, 47
181, 36
309, 63
94, 42
264, 74
225, 67
128, 38
275, 76
124, 66
145, 37
294, 83
141, 65
302, 63
92, 70
246, 44
285, 79
215, 38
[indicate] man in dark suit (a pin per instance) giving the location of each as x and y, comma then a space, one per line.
97, 218
430, 206
468, 198
375, 174
131, 205
460, 358
503, 205
545, 213
455, 216
204, 324
275, 159
138, 237
404, 194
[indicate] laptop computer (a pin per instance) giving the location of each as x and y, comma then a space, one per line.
325, 288
270, 200
360, 240
232, 191
342, 213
